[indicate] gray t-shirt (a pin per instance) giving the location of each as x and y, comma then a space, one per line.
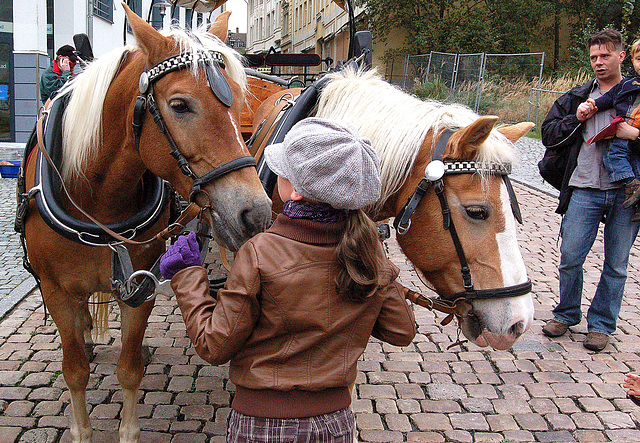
590, 171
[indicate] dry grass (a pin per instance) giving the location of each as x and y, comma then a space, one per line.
521, 100
513, 100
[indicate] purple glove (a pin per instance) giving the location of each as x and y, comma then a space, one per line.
183, 253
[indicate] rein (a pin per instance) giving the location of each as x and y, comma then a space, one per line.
213, 63
434, 174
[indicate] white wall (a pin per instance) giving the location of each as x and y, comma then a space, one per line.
30, 26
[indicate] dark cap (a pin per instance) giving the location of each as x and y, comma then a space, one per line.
67, 51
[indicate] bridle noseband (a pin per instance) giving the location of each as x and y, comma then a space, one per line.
434, 174
213, 63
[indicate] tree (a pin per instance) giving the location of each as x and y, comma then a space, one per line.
470, 26
500, 25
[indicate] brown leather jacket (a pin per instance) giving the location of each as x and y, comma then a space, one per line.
292, 341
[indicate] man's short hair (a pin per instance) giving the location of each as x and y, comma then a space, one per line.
607, 38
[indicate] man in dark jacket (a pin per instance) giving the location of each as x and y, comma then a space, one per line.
58, 73
587, 196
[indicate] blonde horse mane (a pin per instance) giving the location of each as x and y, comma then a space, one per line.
397, 124
82, 122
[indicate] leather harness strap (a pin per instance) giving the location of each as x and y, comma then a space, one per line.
185, 217
452, 304
453, 308
258, 143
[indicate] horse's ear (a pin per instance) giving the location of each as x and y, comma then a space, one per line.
147, 37
515, 132
464, 142
220, 27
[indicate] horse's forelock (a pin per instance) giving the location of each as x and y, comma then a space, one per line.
199, 39
397, 124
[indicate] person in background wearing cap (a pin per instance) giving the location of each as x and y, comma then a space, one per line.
57, 74
302, 298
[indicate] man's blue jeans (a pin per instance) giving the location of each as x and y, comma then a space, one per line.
578, 231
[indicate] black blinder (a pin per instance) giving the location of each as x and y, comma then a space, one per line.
219, 84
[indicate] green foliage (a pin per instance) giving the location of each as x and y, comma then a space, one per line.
471, 26
501, 26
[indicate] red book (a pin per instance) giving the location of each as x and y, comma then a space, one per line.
607, 131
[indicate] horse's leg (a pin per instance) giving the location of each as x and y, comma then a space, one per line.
69, 312
130, 367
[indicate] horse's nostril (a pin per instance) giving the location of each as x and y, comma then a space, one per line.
253, 221
517, 329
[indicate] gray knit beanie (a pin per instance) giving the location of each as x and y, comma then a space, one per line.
328, 162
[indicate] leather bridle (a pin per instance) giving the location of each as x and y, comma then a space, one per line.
434, 174
213, 63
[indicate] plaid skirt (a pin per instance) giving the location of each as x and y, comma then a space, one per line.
336, 427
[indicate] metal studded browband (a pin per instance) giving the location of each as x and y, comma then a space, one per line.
178, 62
470, 167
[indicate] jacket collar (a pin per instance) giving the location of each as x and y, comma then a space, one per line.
308, 231
584, 90
56, 67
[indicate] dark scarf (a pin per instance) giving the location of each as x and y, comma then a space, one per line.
313, 211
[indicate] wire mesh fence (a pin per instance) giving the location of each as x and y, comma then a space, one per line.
540, 101
498, 84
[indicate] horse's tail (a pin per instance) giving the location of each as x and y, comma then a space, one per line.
100, 309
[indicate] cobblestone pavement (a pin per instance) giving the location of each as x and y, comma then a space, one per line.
542, 390
15, 281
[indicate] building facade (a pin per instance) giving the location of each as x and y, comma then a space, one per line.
31, 31
299, 26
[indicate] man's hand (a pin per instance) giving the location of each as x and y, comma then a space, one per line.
65, 64
627, 132
586, 110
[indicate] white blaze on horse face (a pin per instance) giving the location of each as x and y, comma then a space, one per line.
505, 319
512, 264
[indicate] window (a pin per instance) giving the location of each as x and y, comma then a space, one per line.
103, 9
285, 22
136, 6
188, 21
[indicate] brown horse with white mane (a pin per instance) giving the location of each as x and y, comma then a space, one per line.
193, 86
462, 237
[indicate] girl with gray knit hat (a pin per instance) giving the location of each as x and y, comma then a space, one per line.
302, 298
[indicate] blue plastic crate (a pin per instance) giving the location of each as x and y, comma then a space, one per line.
9, 168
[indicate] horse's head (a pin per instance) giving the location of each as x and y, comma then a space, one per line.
195, 85
499, 308
405, 132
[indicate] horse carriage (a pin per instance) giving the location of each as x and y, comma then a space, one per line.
94, 195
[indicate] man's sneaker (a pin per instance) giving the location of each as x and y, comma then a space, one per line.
554, 328
596, 341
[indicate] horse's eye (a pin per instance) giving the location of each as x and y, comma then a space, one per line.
477, 212
179, 106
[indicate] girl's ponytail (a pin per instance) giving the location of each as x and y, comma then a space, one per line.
358, 258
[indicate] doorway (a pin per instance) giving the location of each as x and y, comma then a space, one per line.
6, 87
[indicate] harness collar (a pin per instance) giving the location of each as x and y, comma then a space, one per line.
48, 192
